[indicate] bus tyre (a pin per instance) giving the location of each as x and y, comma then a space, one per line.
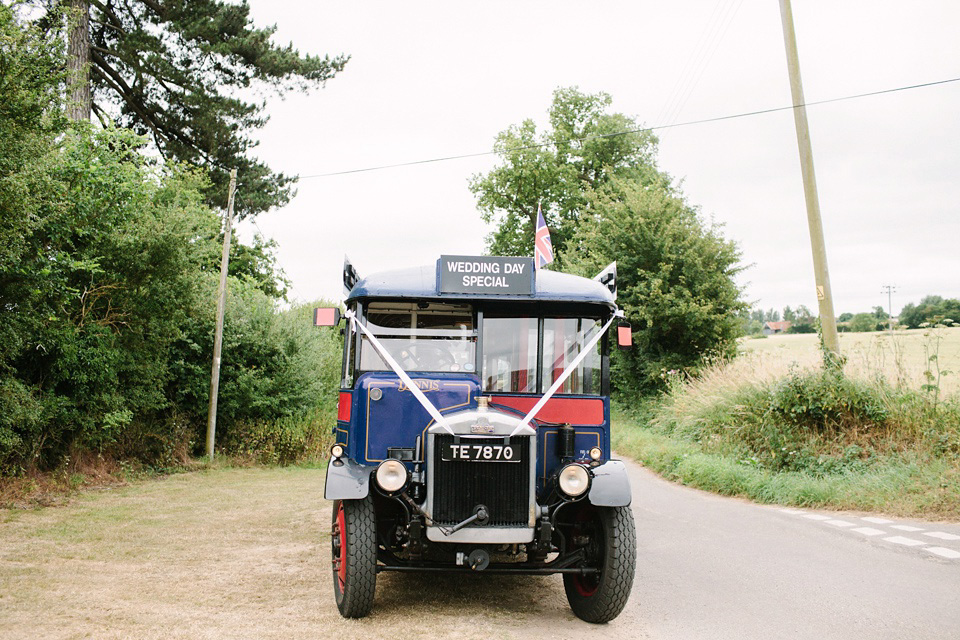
612, 548
354, 546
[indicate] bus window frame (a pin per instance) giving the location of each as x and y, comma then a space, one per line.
481, 308
542, 311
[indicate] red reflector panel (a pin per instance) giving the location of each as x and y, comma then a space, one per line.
585, 411
328, 317
343, 406
624, 336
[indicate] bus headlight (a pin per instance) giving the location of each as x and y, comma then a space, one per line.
574, 480
595, 454
336, 451
391, 476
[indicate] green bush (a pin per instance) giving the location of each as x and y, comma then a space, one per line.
826, 400
865, 322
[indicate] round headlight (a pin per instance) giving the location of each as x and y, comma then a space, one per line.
595, 454
336, 451
574, 480
391, 475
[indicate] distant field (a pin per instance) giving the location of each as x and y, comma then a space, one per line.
901, 357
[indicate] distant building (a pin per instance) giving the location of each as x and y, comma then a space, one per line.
771, 328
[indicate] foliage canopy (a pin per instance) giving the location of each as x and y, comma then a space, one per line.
676, 279
583, 148
191, 75
605, 199
108, 277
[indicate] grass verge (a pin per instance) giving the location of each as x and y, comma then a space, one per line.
802, 437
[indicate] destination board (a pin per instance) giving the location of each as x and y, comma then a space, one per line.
490, 275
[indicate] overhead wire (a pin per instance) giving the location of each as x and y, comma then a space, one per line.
727, 20
675, 125
666, 112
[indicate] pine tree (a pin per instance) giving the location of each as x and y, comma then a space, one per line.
175, 70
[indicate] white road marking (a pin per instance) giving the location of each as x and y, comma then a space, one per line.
906, 527
944, 552
909, 542
793, 512
816, 516
942, 535
877, 520
868, 531
839, 523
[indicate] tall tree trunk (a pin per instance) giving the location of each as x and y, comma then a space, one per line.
78, 61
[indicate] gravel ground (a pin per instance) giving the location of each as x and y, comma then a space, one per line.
240, 553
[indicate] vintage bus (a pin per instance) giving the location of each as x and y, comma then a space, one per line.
473, 431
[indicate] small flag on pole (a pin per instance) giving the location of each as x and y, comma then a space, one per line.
542, 247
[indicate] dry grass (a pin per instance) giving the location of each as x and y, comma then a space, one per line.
900, 357
237, 553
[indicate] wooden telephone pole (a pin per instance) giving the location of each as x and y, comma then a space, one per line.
828, 321
221, 306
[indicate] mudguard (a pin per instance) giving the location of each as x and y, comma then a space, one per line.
610, 486
347, 480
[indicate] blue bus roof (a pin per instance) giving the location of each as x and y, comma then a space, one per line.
421, 282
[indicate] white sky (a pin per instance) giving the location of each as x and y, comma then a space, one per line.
433, 79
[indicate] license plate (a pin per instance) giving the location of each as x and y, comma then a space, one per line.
467, 452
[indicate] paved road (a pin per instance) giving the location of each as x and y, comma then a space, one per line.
711, 567
714, 567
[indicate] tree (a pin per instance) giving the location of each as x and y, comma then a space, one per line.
789, 314
179, 71
583, 148
864, 322
928, 310
845, 317
803, 321
676, 278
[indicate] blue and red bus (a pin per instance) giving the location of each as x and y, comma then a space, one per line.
473, 431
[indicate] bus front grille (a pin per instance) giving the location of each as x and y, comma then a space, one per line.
502, 487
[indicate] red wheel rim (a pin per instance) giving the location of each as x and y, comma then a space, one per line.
583, 587
340, 560
587, 585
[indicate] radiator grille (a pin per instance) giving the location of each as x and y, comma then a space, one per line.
504, 487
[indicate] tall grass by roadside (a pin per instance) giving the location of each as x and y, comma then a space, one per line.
761, 428
291, 440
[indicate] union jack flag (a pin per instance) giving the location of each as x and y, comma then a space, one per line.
542, 247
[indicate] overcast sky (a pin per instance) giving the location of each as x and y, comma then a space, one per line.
435, 79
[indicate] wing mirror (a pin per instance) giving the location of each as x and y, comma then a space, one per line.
326, 317
624, 335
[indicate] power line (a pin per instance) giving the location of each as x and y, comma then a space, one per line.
540, 145
691, 64
710, 42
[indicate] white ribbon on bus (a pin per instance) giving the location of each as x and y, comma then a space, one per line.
397, 369
563, 376
432, 410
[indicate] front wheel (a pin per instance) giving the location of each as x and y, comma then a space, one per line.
608, 537
354, 546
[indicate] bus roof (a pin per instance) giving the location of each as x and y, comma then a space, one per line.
422, 283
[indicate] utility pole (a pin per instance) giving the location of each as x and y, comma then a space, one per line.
889, 289
828, 320
221, 305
